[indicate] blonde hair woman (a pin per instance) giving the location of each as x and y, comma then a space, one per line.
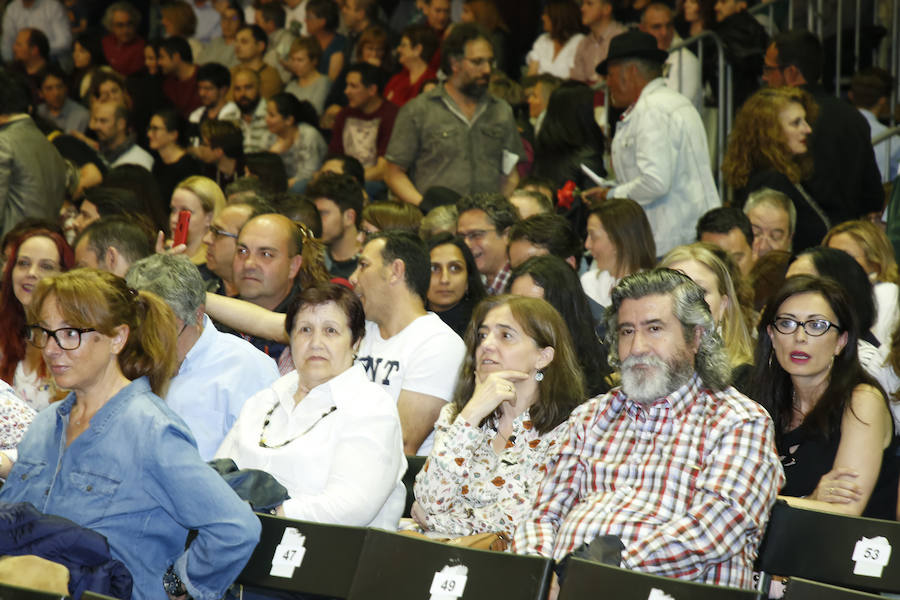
870, 247
203, 198
700, 263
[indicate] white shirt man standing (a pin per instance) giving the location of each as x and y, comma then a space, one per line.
659, 152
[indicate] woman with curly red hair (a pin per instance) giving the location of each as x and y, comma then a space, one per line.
768, 149
37, 254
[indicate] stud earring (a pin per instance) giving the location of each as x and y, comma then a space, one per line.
539, 375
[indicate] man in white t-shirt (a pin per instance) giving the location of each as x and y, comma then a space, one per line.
409, 351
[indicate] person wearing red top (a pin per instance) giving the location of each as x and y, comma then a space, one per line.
180, 83
123, 47
417, 48
362, 129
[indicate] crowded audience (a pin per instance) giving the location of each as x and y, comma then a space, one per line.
526, 248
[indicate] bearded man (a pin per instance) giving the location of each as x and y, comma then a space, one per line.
457, 135
675, 466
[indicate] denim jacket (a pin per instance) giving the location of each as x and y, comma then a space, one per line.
135, 476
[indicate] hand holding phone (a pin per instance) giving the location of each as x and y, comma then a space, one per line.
181, 229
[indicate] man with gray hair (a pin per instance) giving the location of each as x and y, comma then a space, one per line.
772, 218
659, 151
675, 463
217, 372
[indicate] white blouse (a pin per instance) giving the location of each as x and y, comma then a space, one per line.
559, 65
344, 460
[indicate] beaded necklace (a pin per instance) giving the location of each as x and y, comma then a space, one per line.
262, 433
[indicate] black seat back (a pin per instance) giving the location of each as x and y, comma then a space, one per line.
400, 567
330, 556
586, 579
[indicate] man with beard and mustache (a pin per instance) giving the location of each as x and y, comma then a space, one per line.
457, 135
245, 92
674, 472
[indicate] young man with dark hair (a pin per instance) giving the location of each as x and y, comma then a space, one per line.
31, 53
729, 228
250, 48
363, 129
176, 63
544, 234
222, 147
113, 244
409, 351
339, 200
870, 93
271, 17
345, 165
57, 107
213, 83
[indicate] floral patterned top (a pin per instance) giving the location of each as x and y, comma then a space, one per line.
465, 487
38, 392
15, 417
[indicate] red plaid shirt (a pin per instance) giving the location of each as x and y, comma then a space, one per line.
497, 285
687, 483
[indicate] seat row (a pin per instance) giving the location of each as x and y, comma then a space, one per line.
826, 556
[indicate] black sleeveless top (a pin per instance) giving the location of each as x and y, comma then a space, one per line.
806, 456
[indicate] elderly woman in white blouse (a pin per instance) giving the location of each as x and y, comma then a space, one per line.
325, 431
517, 386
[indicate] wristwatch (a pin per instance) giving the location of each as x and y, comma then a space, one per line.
173, 584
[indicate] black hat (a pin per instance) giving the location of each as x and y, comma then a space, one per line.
632, 44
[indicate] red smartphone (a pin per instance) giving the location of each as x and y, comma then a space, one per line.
181, 229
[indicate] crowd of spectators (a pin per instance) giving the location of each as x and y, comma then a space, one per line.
317, 237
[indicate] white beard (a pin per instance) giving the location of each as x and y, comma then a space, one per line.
656, 377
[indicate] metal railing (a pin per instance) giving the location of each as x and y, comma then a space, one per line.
725, 91
815, 22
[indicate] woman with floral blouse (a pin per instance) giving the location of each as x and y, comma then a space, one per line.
519, 382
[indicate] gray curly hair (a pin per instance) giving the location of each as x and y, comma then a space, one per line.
689, 307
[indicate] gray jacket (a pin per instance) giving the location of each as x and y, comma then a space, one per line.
32, 174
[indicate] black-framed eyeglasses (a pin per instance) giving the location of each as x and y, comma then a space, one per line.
480, 62
813, 327
67, 338
476, 235
222, 233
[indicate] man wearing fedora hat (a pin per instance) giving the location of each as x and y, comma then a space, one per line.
659, 151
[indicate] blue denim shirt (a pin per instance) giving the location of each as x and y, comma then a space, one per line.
135, 476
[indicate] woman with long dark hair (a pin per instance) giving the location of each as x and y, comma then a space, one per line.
456, 287
833, 428
297, 141
569, 137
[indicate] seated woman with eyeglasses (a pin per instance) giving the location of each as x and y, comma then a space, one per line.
833, 427
112, 456
325, 431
